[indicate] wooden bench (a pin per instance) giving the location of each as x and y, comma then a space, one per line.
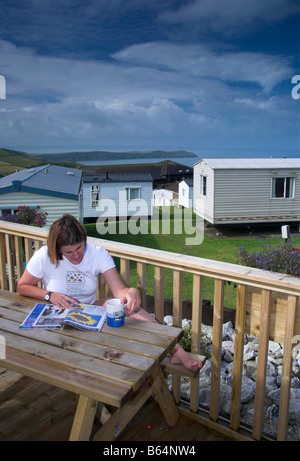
193, 375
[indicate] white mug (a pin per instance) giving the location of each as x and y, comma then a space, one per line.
115, 312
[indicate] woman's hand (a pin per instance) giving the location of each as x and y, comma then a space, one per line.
133, 300
27, 286
131, 296
62, 301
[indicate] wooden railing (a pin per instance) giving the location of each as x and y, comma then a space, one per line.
267, 306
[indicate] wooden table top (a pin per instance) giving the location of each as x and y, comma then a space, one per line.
107, 366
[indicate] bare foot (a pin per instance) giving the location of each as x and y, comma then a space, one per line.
178, 356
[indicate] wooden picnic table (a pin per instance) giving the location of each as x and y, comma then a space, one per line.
117, 367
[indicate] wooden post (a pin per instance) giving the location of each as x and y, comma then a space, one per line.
3, 278
177, 322
84, 419
262, 364
217, 349
197, 313
177, 298
159, 293
19, 256
10, 262
164, 397
238, 357
286, 369
125, 271
141, 281
28, 249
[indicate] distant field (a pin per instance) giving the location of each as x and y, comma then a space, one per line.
211, 248
11, 160
6, 168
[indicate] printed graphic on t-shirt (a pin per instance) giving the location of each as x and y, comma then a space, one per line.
73, 277
75, 282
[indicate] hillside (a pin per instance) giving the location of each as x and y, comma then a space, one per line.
12, 160
104, 155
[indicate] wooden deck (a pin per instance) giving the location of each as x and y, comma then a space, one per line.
34, 411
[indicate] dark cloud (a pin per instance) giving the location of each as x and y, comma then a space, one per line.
162, 73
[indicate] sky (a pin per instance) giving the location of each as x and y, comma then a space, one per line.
213, 77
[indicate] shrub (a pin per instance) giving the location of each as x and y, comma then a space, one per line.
27, 215
186, 340
282, 258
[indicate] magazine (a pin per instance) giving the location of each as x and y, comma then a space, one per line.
82, 316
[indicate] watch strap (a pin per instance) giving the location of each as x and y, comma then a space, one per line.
47, 295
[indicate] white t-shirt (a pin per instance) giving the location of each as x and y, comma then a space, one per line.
76, 280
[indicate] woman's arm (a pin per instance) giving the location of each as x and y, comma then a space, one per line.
119, 290
27, 286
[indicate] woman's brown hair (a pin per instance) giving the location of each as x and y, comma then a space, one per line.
65, 231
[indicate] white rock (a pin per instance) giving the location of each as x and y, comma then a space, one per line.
168, 320
228, 331
251, 355
274, 347
185, 323
228, 346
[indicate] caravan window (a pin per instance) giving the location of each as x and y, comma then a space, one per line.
283, 187
133, 193
203, 184
95, 196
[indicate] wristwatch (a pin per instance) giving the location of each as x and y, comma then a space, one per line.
47, 295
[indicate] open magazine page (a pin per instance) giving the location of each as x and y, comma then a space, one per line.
89, 317
36, 312
49, 316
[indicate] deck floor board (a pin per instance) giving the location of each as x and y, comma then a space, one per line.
34, 411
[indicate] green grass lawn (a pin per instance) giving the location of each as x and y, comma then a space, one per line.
221, 249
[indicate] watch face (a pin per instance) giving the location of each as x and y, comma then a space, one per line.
47, 297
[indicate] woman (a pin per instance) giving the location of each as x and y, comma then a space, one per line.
68, 268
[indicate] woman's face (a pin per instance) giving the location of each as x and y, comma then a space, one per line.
74, 253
